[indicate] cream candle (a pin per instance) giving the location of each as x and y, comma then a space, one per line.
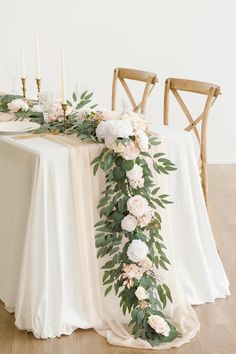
38, 74
23, 72
63, 80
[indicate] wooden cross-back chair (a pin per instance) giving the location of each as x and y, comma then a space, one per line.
123, 74
211, 91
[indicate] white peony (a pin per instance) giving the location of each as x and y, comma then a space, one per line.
137, 250
130, 152
119, 128
142, 140
137, 206
136, 173
146, 218
101, 130
141, 293
110, 115
129, 223
137, 120
37, 108
146, 263
112, 129
159, 324
17, 105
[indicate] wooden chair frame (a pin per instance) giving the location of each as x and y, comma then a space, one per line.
122, 74
212, 92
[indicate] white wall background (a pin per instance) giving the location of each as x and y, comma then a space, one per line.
178, 38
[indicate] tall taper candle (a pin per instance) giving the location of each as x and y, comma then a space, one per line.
63, 81
23, 72
38, 76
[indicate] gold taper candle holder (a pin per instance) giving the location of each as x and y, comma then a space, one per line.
64, 108
38, 83
23, 80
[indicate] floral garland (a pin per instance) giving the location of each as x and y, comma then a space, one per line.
129, 230
22, 108
130, 226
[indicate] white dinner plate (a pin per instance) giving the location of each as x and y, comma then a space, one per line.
18, 127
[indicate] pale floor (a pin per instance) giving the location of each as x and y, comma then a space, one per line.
218, 320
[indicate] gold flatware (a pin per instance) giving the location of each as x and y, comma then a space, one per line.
31, 136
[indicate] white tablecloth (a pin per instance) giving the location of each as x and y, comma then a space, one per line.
49, 275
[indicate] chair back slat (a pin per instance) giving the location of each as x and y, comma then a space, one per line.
123, 74
193, 86
212, 91
186, 112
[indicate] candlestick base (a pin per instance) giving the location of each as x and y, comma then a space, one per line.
38, 83
64, 108
23, 80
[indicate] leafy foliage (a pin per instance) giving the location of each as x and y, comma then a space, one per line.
112, 241
5, 99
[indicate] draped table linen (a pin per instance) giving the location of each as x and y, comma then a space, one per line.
49, 274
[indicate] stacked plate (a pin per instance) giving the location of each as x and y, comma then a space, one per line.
14, 127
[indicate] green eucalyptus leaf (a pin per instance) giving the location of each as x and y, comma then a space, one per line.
87, 97
74, 97
128, 165
83, 94
108, 290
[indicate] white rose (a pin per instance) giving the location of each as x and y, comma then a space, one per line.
117, 147
110, 115
142, 140
136, 173
159, 324
130, 152
146, 218
146, 263
137, 206
137, 250
141, 293
129, 223
17, 105
37, 108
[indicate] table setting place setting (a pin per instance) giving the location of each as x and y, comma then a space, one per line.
104, 221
